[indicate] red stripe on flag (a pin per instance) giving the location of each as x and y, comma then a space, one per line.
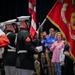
34, 14
30, 8
32, 32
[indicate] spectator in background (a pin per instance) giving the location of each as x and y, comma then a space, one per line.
56, 48
68, 67
49, 41
43, 39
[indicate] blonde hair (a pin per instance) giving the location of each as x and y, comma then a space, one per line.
58, 34
51, 29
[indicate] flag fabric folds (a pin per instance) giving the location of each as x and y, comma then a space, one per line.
62, 15
32, 11
31, 5
4, 41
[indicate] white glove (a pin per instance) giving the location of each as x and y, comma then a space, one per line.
39, 48
1, 32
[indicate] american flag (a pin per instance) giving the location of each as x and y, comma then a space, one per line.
32, 11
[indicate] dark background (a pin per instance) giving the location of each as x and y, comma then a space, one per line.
10, 9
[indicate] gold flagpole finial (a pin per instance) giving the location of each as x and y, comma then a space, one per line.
73, 2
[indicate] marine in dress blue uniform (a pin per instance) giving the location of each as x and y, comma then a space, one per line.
9, 55
25, 50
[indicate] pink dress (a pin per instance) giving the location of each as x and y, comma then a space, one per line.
56, 48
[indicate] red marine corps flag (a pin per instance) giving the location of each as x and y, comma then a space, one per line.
32, 11
62, 15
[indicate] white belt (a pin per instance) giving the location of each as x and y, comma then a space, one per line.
11, 50
22, 51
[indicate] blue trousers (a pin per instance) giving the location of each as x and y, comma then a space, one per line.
57, 67
10, 70
24, 72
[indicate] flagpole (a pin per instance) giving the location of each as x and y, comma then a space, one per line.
41, 24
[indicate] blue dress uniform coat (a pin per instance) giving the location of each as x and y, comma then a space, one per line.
9, 55
25, 51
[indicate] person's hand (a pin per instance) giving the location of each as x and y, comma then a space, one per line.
36, 50
50, 45
39, 48
67, 53
46, 45
62, 63
43, 55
